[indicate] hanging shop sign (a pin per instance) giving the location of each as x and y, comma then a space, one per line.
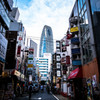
58, 73
30, 65
18, 51
20, 38
30, 61
3, 47
67, 59
77, 73
54, 80
74, 29
31, 51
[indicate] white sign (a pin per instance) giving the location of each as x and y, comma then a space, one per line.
3, 47
30, 78
30, 56
17, 73
58, 73
30, 61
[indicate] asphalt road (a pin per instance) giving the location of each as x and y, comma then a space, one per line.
37, 96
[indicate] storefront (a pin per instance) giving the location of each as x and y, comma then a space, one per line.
17, 78
91, 76
75, 84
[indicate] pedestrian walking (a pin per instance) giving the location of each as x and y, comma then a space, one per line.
96, 93
48, 88
42, 88
30, 91
18, 89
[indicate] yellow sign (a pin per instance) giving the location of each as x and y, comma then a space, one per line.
54, 79
74, 29
30, 65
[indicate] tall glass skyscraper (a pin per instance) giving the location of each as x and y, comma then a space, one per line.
46, 42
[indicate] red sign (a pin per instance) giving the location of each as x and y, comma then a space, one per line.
69, 36
67, 59
77, 73
20, 38
31, 49
18, 51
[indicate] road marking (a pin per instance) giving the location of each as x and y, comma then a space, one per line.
36, 98
54, 96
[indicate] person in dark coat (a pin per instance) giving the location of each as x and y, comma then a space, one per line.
96, 93
48, 88
30, 91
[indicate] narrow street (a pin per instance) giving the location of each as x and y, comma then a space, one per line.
38, 96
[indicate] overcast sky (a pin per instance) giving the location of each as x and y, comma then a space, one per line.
36, 13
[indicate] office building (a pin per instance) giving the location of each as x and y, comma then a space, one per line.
46, 42
84, 28
5, 6
42, 63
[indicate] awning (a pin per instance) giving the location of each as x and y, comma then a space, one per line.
77, 73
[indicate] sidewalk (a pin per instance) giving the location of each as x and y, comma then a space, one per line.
60, 97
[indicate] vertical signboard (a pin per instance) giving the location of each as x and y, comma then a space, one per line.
67, 59
18, 51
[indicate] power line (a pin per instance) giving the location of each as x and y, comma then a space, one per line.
36, 37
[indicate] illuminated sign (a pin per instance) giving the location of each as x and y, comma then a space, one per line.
30, 65
74, 29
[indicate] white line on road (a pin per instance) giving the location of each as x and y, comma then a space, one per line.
54, 96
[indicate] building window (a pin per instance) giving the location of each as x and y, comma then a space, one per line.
58, 58
79, 6
58, 65
58, 50
57, 44
83, 1
75, 10
95, 5
87, 51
